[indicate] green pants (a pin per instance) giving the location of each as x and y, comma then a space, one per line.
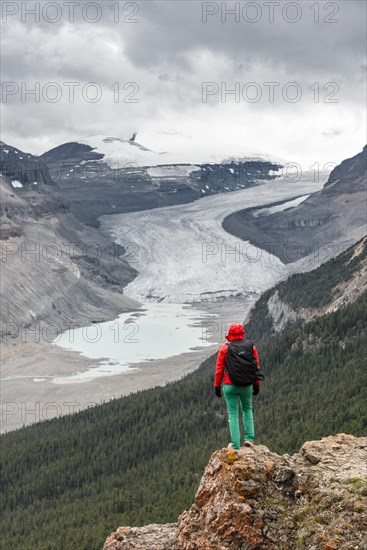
231, 395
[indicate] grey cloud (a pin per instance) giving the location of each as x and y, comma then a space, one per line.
169, 34
168, 29
170, 78
169, 53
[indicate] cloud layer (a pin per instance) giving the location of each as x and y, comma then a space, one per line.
286, 78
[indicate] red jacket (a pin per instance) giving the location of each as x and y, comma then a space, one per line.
235, 332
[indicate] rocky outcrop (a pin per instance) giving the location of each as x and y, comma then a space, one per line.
256, 499
281, 313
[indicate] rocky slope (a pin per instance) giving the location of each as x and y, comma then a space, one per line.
254, 498
306, 296
336, 214
54, 271
108, 175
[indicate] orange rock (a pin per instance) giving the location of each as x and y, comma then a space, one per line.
248, 500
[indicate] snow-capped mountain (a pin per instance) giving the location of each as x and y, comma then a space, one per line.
109, 175
179, 149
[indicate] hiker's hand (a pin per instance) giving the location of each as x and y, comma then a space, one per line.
256, 389
218, 392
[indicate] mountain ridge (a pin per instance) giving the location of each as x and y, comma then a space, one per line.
326, 217
176, 152
54, 270
306, 296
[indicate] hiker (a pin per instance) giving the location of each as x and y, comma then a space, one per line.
238, 368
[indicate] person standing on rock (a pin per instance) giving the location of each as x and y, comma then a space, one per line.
238, 368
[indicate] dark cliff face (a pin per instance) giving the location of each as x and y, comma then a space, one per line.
27, 187
349, 176
24, 167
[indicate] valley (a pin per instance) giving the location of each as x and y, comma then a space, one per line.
180, 184
139, 459
172, 256
35, 371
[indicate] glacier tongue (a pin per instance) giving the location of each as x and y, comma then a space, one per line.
183, 254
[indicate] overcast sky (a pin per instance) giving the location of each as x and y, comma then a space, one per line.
162, 69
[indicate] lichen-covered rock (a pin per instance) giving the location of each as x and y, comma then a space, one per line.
255, 499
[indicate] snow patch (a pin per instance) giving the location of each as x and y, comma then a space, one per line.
275, 172
280, 207
120, 153
331, 184
172, 171
16, 183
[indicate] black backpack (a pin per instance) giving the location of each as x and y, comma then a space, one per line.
241, 363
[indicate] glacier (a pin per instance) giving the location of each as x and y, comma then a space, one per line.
183, 254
